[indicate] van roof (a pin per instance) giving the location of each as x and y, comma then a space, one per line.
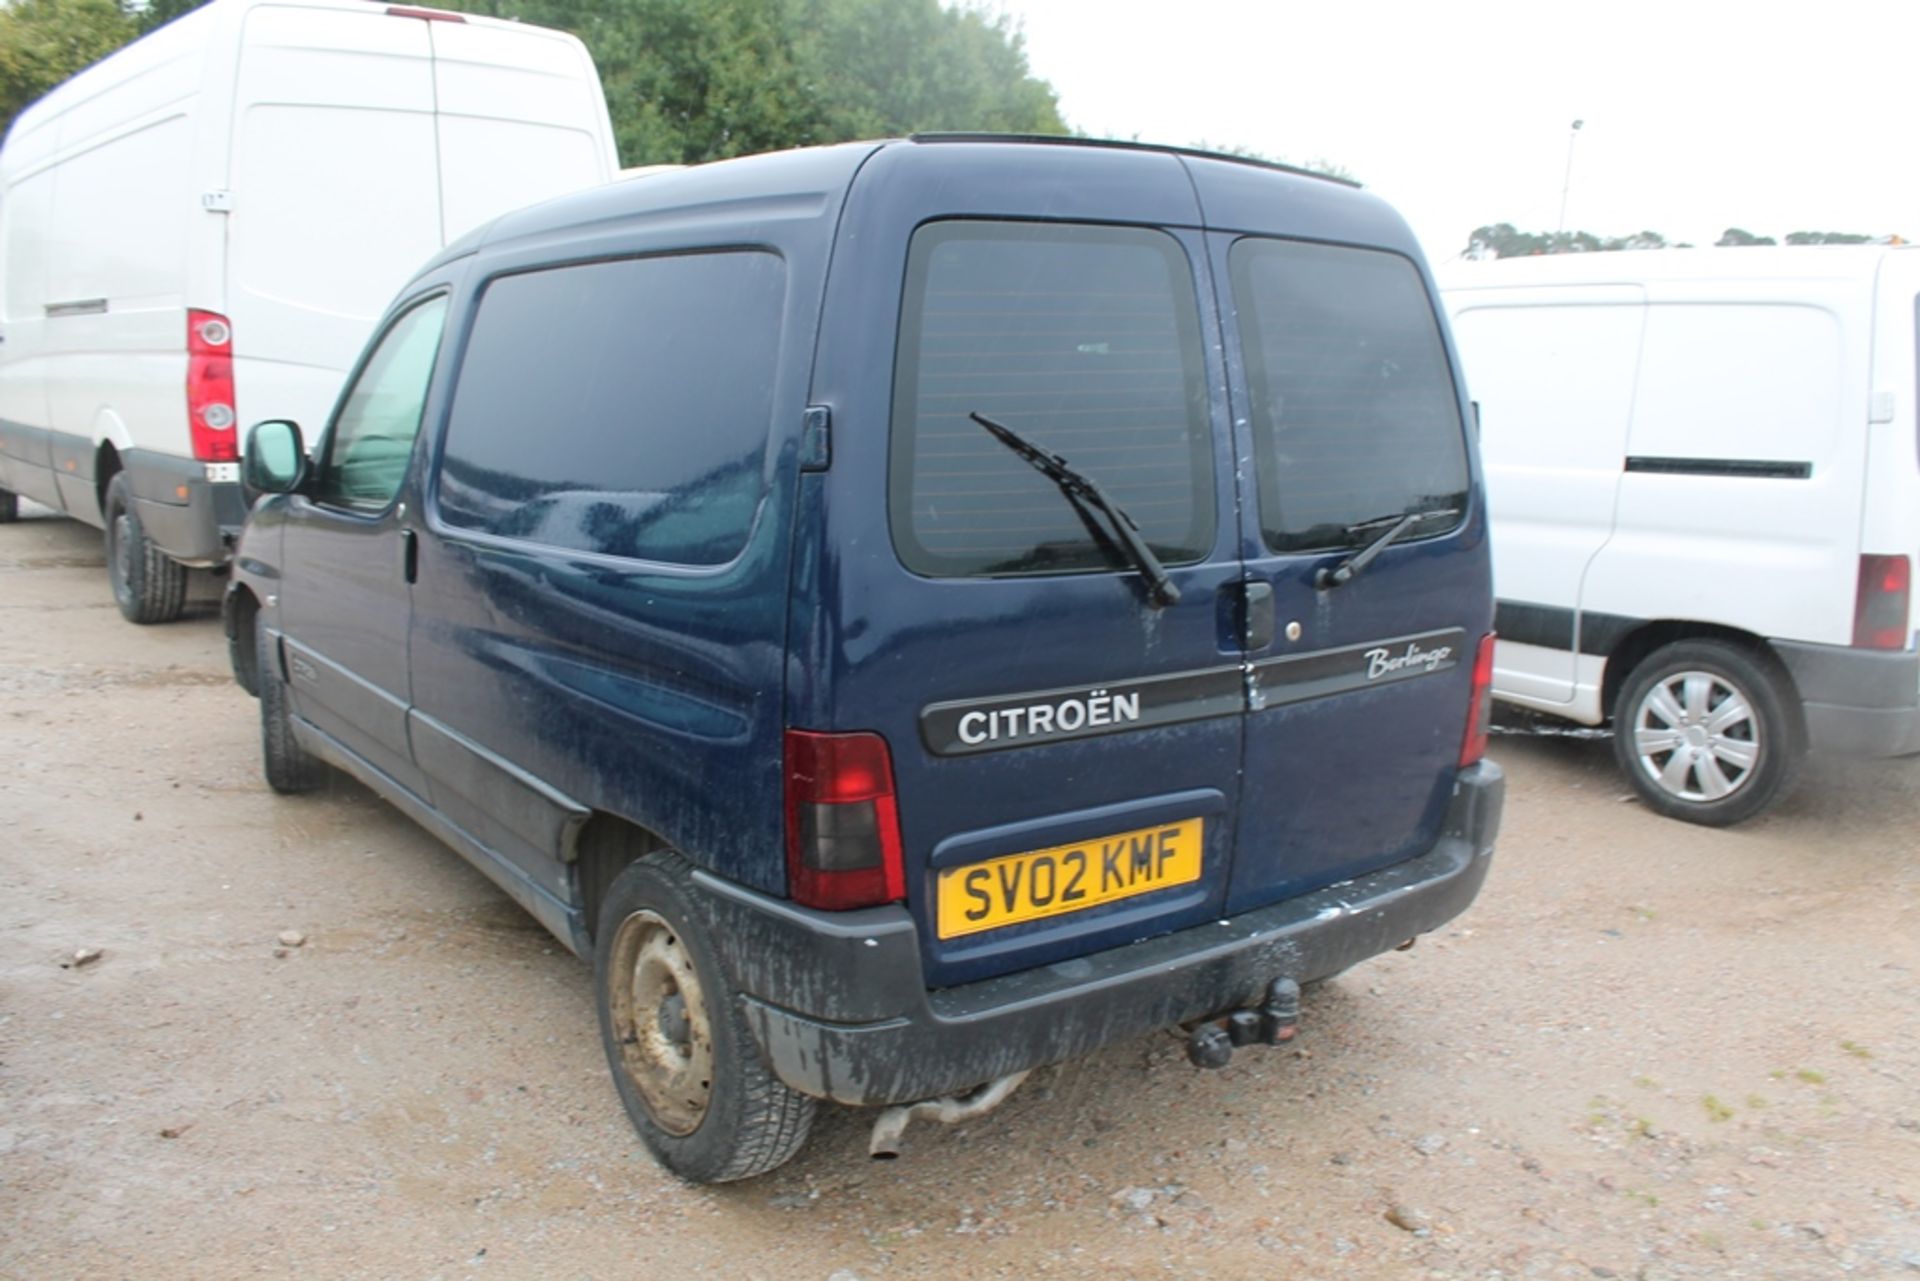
1122, 144
729, 190
1627, 266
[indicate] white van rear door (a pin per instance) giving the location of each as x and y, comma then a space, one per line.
335, 202
522, 118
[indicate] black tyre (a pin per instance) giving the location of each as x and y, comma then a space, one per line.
9, 507
148, 585
290, 768
1709, 732
687, 1069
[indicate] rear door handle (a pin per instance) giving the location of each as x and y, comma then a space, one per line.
410, 558
1256, 614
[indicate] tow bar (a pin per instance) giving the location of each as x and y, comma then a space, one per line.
1276, 1022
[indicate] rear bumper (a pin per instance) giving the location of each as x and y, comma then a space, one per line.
188, 516
837, 1003
1857, 702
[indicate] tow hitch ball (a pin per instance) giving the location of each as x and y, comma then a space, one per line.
1211, 1045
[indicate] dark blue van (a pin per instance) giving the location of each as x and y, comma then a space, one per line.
909, 612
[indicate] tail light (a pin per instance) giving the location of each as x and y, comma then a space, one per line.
1880, 607
1480, 711
210, 415
843, 823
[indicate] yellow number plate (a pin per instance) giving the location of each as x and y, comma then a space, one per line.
1067, 878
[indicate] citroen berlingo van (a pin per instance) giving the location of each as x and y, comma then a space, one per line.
910, 612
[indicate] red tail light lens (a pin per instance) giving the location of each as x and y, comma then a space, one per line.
210, 414
1880, 607
843, 823
1480, 711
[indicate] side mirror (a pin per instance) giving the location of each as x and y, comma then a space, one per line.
276, 459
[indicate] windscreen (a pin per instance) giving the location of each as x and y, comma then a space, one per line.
1355, 417
1084, 340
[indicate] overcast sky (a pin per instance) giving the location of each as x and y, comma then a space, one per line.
1699, 115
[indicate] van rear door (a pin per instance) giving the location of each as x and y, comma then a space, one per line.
1349, 411
1066, 752
521, 117
334, 197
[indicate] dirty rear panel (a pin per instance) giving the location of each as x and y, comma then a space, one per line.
955, 602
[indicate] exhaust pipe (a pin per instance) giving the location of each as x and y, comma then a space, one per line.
892, 1122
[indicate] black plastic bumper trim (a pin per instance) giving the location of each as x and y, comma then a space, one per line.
933, 1043
1857, 702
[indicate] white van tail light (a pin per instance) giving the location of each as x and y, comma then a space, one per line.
1480, 711
843, 823
210, 416
1880, 608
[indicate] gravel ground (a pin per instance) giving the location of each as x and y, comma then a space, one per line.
1649, 1051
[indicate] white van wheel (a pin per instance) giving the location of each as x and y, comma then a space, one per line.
9, 507
148, 585
1706, 732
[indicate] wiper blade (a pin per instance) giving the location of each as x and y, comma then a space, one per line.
1344, 572
1081, 488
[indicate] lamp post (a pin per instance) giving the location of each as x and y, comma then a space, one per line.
1567, 184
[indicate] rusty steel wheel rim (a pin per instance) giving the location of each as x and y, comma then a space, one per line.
660, 1022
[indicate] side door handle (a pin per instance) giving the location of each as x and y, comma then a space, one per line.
1256, 614
410, 558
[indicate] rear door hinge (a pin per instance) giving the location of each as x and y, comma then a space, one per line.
217, 201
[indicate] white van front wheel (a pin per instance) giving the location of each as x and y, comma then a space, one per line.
1706, 732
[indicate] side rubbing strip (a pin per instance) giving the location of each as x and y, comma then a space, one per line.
1554, 627
1548, 626
1753, 468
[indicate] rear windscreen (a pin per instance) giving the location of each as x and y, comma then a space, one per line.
1086, 341
1355, 417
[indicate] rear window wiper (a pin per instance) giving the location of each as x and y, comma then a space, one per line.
1344, 572
1081, 488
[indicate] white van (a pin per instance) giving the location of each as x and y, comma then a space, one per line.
200, 231
1703, 473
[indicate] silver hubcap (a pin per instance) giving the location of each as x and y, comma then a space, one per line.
660, 1022
1696, 736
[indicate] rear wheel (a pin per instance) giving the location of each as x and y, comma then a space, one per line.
148, 585
1707, 732
686, 1066
289, 768
9, 507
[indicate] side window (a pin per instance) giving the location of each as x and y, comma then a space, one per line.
620, 407
372, 437
1356, 419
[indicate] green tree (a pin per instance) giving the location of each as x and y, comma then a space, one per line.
42, 42
1738, 238
1827, 238
148, 14
694, 80
1504, 240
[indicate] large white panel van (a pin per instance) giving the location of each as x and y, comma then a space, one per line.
1704, 477
200, 230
